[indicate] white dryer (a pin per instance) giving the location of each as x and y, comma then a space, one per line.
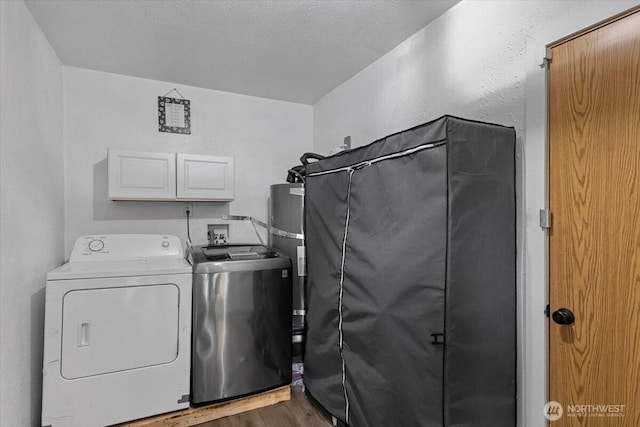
117, 339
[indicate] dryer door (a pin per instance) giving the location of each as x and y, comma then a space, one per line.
116, 329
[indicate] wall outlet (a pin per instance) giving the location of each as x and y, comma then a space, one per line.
187, 209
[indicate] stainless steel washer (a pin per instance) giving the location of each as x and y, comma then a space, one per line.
241, 341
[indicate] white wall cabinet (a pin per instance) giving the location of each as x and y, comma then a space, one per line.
138, 175
141, 175
204, 177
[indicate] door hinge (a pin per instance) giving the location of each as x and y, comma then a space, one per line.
548, 55
545, 219
547, 310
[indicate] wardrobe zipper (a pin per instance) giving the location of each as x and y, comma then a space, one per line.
366, 163
344, 250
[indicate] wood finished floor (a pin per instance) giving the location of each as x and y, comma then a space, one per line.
297, 412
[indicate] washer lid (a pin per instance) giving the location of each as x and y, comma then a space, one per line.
216, 259
237, 252
143, 267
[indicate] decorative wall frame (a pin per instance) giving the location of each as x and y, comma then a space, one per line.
174, 114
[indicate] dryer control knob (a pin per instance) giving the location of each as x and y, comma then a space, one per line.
96, 245
165, 244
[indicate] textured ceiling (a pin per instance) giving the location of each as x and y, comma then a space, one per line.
290, 50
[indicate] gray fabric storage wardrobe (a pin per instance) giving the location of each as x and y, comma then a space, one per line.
411, 278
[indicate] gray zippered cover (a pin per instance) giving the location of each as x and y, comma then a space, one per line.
411, 257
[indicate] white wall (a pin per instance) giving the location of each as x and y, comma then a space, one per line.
470, 62
473, 62
31, 205
265, 138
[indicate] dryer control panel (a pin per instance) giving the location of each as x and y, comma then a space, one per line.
125, 247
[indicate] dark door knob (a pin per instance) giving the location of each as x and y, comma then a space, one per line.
563, 316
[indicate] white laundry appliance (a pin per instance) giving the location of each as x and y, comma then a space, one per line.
117, 341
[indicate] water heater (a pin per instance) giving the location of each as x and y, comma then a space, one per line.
287, 218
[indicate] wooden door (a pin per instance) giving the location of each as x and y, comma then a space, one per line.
594, 243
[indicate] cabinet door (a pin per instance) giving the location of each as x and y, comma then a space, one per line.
204, 177
137, 175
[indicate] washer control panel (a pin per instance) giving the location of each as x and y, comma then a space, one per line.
125, 247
